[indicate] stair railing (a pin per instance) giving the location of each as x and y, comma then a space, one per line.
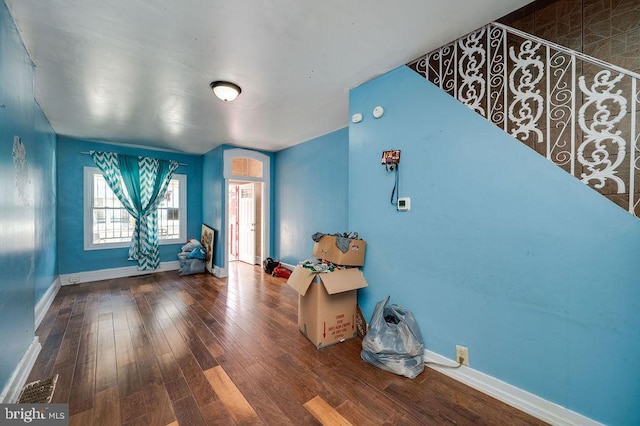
577, 111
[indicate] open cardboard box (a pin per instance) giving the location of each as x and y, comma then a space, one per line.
327, 249
327, 304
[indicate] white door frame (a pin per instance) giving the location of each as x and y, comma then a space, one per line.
228, 155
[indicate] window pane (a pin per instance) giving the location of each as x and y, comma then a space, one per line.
111, 225
169, 212
255, 168
239, 167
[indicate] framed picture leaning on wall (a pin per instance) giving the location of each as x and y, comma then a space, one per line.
207, 239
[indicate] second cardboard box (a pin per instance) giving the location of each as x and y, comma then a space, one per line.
327, 304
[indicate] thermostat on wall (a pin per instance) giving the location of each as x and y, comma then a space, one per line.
404, 204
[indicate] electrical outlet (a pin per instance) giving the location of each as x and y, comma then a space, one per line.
74, 280
462, 355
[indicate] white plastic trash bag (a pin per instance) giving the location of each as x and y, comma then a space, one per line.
393, 341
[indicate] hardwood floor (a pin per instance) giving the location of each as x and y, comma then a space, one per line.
165, 350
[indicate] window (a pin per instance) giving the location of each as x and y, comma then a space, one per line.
108, 225
241, 166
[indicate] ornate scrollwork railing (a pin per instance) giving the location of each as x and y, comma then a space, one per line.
577, 111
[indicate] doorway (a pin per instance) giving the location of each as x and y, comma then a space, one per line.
245, 222
247, 185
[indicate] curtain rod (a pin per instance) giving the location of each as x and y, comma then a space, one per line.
88, 153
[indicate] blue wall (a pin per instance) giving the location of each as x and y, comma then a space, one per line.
213, 199
44, 155
27, 239
71, 254
501, 252
311, 194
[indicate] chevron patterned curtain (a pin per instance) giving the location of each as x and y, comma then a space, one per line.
140, 184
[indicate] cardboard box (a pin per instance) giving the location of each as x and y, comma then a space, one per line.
327, 249
327, 304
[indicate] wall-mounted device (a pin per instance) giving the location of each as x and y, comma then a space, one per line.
391, 162
356, 118
390, 159
378, 112
404, 204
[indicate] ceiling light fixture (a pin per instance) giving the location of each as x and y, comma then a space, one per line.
225, 90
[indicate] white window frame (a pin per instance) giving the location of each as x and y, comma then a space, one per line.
89, 172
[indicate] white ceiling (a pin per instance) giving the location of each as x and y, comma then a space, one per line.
138, 71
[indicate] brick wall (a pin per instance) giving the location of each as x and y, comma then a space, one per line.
605, 29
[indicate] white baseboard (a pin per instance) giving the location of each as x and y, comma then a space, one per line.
219, 272
288, 266
511, 395
12, 390
45, 301
108, 274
